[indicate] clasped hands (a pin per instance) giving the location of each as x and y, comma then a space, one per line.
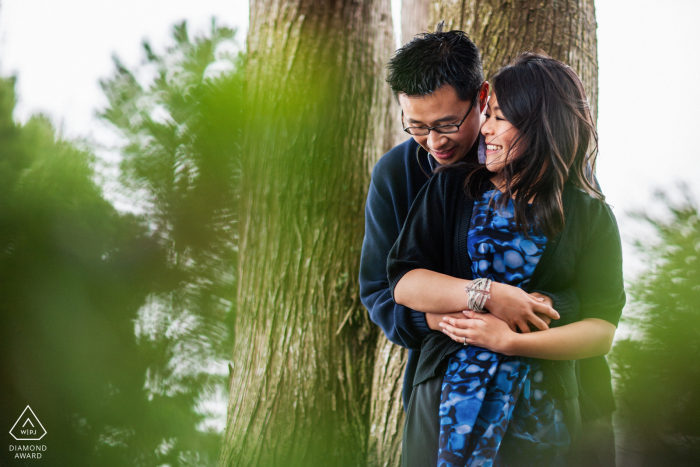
510, 309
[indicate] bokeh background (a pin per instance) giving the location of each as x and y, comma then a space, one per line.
89, 212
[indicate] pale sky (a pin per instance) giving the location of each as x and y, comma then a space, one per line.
647, 50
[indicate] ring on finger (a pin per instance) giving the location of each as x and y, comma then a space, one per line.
464, 340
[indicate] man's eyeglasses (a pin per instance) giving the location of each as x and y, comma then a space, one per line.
443, 129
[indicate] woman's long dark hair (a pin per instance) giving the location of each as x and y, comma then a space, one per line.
545, 101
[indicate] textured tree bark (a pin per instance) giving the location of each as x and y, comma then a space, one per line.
318, 119
414, 18
564, 29
387, 416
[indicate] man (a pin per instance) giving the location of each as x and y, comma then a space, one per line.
439, 83
401, 173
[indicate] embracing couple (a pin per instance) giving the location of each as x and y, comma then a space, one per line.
492, 256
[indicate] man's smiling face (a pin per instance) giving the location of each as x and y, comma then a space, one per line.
443, 107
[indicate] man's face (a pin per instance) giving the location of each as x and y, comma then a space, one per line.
443, 107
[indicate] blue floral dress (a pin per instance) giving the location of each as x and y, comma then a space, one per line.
494, 409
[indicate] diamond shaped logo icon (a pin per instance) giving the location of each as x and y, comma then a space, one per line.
28, 427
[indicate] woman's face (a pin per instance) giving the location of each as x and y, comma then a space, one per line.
499, 135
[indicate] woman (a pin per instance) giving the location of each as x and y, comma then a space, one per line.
530, 218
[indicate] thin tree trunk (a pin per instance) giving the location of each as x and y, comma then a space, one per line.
387, 416
318, 119
414, 18
566, 30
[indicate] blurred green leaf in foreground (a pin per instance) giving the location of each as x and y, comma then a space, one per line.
658, 367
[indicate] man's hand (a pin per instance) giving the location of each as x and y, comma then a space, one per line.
434, 319
547, 301
518, 309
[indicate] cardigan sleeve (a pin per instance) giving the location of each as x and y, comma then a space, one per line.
598, 278
421, 242
567, 305
566, 301
401, 325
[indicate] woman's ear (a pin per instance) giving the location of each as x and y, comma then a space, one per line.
483, 96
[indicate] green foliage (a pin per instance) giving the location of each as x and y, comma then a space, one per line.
180, 158
658, 374
180, 165
114, 326
182, 134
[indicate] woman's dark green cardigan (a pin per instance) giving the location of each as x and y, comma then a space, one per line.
585, 257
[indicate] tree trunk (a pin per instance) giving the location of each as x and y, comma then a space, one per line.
318, 119
414, 18
387, 416
566, 30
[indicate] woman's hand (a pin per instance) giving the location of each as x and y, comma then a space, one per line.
587, 338
480, 329
518, 309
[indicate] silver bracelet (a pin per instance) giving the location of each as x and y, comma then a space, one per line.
478, 291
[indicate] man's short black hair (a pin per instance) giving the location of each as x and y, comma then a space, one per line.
433, 59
